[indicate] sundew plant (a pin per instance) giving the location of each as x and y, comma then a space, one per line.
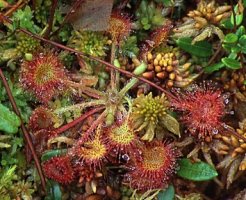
122, 100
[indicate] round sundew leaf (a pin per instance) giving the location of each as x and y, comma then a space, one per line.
231, 63
199, 171
200, 49
167, 194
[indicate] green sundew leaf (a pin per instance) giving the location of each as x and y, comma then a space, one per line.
213, 68
231, 63
167, 194
199, 171
51, 153
231, 38
200, 49
9, 121
171, 124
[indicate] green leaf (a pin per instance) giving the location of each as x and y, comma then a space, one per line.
144, 21
23, 18
242, 41
240, 31
167, 194
171, 124
51, 153
236, 49
232, 55
231, 38
213, 68
54, 191
200, 49
231, 63
9, 121
239, 17
226, 23
199, 171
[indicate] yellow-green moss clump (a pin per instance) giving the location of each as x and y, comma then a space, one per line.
89, 42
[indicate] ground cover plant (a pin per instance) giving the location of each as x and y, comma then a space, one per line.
131, 100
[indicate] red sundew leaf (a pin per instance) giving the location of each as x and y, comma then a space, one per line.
92, 15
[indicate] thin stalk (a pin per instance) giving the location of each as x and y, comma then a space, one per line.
13, 8
51, 18
79, 106
78, 120
117, 74
215, 55
112, 71
24, 130
93, 126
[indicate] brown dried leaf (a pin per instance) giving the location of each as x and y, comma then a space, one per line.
171, 124
92, 15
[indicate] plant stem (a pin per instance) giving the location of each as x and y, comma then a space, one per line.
117, 74
93, 126
24, 130
51, 18
13, 8
87, 90
79, 106
78, 120
127, 87
112, 71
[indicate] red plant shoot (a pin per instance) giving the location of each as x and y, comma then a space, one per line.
119, 26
